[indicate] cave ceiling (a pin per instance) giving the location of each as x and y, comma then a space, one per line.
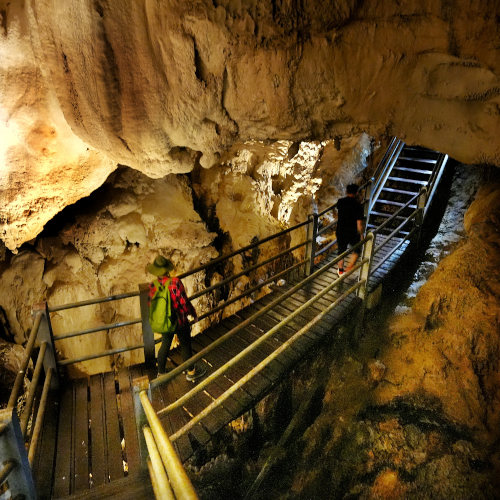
86, 86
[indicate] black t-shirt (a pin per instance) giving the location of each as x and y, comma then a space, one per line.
349, 212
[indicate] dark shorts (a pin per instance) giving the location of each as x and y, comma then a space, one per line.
348, 239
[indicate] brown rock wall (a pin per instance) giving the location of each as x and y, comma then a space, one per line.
160, 86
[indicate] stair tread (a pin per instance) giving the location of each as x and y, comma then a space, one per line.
390, 202
415, 170
384, 214
419, 160
399, 191
411, 181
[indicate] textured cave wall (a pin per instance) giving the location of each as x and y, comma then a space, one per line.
162, 86
101, 245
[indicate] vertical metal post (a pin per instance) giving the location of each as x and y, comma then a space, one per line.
419, 218
147, 333
367, 201
365, 268
364, 275
45, 334
312, 233
141, 384
12, 451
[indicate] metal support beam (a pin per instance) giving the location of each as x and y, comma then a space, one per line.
364, 276
18, 476
141, 384
147, 333
45, 334
312, 232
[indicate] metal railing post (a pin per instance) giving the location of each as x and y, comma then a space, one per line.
147, 332
141, 384
419, 218
45, 334
14, 464
364, 276
367, 201
312, 233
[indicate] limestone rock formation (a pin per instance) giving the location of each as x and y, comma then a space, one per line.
161, 87
448, 346
101, 245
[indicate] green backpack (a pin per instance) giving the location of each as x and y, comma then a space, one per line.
161, 313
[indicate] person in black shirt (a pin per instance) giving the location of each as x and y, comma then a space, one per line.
350, 225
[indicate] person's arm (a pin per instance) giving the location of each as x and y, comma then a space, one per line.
361, 226
184, 298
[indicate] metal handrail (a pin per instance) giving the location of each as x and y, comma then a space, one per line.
102, 354
191, 297
90, 302
384, 173
433, 183
395, 231
183, 275
396, 247
7, 467
265, 362
18, 383
97, 329
252, 290
39, 416
177, 476
208, 380
32, 390
395, 214
247, 270
173, 373
157, 472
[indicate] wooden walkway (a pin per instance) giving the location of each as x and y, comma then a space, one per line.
97, 445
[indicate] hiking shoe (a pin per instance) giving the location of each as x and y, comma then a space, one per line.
197, 373
340, 272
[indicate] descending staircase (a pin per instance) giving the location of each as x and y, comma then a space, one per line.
412, 168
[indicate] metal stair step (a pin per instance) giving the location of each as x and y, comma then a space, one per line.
411, 181
415, 170
383, 214
387, 230
419, 160
399, 191
397, 203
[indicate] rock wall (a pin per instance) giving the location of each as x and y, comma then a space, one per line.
101, 245
161, 87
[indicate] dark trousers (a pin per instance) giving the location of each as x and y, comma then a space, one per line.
184, 336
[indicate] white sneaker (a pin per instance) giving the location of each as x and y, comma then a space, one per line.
340, 273
198, 372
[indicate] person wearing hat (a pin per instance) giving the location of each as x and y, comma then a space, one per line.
162, 267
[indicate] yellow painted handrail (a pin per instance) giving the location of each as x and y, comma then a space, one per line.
181, 484
159, 479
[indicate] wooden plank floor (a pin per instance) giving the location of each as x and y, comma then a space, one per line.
97, 442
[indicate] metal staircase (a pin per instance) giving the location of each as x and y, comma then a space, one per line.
411, 170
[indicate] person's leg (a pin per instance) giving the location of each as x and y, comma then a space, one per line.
184, 336
355, 253
166, 341
194, 372
341, 248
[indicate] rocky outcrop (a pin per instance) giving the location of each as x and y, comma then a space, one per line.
162, 87
101, 245
448, 346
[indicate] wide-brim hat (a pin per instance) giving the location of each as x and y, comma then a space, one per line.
160, 266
